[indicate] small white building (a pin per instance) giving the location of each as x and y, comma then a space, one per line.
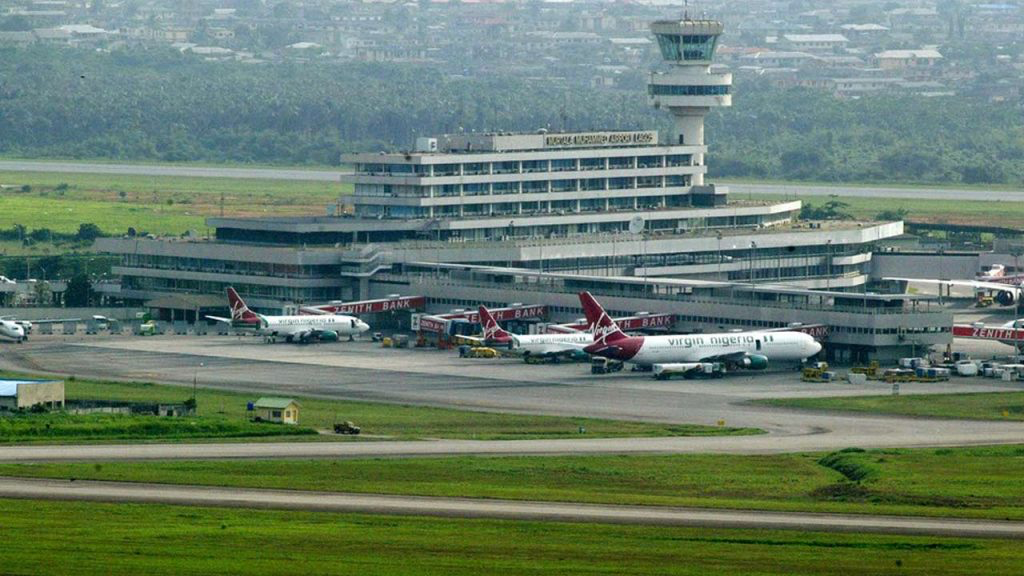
24, 394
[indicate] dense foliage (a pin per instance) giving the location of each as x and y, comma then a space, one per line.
162, 105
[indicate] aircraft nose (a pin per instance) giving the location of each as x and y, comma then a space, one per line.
814, 347
363, 326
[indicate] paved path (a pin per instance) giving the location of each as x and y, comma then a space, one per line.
501, 509
335, 175
760, 444
801, 190
166, 170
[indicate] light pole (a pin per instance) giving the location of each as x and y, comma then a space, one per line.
195, 382
828, 260
753, 247
718, 237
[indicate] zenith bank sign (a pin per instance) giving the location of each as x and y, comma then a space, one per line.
601, 139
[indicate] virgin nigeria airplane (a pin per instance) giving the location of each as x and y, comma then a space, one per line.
301, 328
750, 350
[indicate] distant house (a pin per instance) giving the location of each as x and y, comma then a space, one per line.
900, 59
813, 42
279, 410
24, 394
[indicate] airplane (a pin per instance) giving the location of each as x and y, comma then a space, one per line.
552, 346
13, 330
19, 330
1006, 290
300, 329
751, 350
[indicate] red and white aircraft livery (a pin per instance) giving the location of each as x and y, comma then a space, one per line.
753, 350
302, 328
534, 345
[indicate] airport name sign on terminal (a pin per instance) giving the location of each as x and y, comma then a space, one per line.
601, 139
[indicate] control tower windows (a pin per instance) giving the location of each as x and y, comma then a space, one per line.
688, 47
671, 90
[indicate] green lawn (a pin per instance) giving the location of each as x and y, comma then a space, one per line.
974, 406
42, 537
59, 427
979, 213
392, 420
156, 204
978, 482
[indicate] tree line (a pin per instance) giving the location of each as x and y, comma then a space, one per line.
159, 104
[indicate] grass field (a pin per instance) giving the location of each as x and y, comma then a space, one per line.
981, 406
156, 204
977, 482
87, 538
59, 427
391, 420
980, 213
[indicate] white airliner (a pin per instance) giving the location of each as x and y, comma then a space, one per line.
1006, 290
19, 330
752, 350
551, 346
301, 329
13, 330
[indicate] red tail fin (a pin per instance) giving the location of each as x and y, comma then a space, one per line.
492, 330
239, 311
604, 328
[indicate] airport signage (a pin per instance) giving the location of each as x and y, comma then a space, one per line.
601, 139
816, 331
374, 306
427, 323
502, 314
983, 333
634, 322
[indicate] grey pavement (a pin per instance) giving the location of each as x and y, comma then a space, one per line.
364, 371
169, 170
318, 175
500, 509
919, 193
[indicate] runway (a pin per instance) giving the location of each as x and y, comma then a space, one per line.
325, 175
122, 492
168, 170
912, 193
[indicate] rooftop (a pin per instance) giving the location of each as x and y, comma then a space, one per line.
268, 402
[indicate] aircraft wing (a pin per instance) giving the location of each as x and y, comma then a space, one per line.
46, 321
976, 284
562, 329
562, 348
220, 319
313, 310
734, 357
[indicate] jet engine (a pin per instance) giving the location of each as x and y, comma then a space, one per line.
328, 336
754, 362
1004, 297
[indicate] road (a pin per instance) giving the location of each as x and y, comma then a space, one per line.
738, 190
919, 193
499, 509
166, 170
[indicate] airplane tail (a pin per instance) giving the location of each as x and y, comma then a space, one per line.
492, 330
601, 324
239, 311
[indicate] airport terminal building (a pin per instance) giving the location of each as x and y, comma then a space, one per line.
495, 218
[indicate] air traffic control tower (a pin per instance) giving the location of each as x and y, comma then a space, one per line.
689, 89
